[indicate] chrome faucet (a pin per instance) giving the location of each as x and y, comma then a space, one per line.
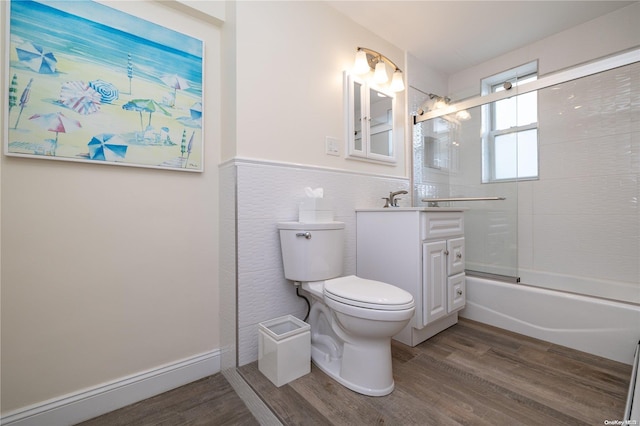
392, 201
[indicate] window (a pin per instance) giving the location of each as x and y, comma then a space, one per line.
510, 136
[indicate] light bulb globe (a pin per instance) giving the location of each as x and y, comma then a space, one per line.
397, 84
380, 75
361, 65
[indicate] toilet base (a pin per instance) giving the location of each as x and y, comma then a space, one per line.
333, 367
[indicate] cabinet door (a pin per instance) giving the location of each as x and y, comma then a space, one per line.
434, 276
456, 292
455, 246
370, 121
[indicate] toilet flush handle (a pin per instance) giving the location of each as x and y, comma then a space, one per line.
307, 235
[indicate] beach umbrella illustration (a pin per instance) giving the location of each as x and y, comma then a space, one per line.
189, 146
183, 143
24, 99
175, 82
81, 98
108, 92
13, 92
107, 147
196, 111
56, 122
129, 70
36, 58
145, 105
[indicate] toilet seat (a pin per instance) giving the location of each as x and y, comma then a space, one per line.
369, 294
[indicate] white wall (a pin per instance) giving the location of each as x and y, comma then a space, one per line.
108, 271
290, 60
425, 79
597, 38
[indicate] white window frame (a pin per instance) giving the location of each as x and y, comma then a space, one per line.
489, 134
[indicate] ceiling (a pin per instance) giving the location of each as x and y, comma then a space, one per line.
450, 36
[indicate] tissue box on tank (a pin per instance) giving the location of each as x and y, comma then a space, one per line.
315, 210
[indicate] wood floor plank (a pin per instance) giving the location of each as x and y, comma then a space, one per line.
338, 404
556, 388
495, 337
494, 401
573, 396
474, 374
469, 374
451, 401
556, 391
614, 368
209, 401
287, 404
590, 375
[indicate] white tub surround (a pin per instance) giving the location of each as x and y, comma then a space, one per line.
601, 327
626, 292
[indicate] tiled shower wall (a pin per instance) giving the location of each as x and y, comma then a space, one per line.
581, 218
578, 225
269, 193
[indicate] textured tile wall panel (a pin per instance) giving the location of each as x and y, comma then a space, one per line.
270, 193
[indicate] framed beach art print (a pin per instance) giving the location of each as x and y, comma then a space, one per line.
89, 83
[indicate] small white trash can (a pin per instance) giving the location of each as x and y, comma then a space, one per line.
284, 349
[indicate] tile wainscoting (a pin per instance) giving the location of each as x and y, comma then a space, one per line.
267, 193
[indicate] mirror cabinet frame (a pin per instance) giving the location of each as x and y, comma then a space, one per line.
367, 137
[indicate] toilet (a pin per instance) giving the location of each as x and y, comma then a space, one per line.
352, 319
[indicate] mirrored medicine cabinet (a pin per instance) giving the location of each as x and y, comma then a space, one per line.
370, 121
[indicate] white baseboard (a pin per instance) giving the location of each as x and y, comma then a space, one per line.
89, 403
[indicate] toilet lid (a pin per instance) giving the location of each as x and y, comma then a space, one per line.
365, 293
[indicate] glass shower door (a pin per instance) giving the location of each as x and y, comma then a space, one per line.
448, 158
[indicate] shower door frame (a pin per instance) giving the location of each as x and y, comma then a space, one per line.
584, 70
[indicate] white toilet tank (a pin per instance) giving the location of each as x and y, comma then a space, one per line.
312, 251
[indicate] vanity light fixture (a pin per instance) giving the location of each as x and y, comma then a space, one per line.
463, 115
367, 59
438, 102
441, 102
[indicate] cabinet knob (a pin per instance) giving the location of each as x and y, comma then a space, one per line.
446, 252
459, 292
459, 255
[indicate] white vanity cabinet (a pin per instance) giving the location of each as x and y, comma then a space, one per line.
420, 250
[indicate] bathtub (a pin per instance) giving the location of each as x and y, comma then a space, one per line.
601, 327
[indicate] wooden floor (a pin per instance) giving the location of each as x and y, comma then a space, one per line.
470, 374
209, 401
